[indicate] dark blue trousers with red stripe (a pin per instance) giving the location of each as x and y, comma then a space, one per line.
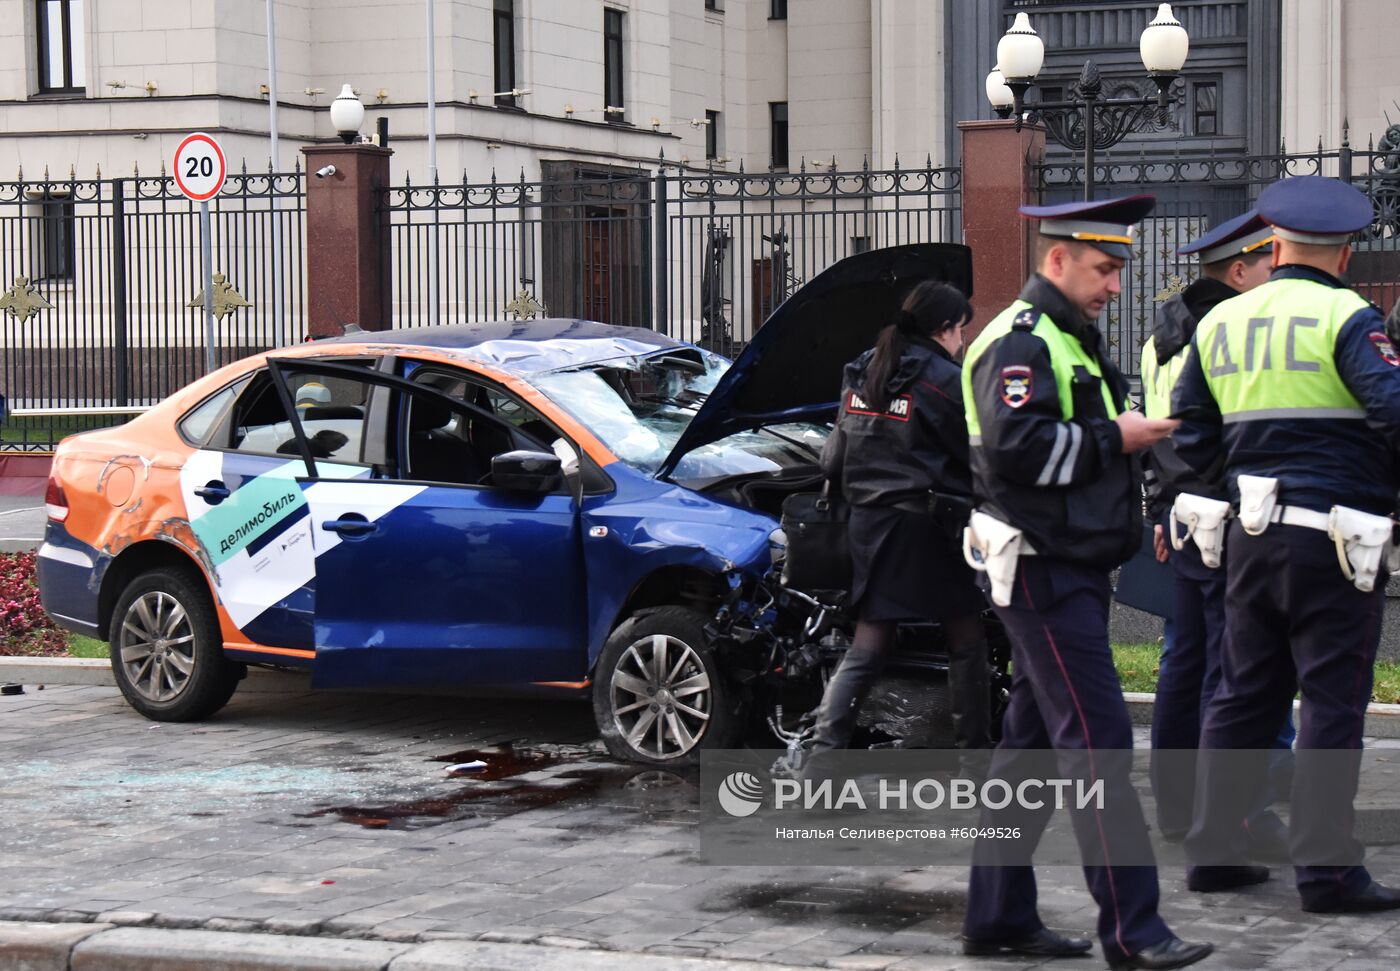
1065, 695
1293, 621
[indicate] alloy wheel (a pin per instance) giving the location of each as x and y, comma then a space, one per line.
156, 645
661, 697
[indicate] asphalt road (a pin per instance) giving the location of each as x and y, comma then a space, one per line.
21, 523
333, 815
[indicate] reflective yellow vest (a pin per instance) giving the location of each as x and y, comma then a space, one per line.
1158, 380
1271, 353
1065, 354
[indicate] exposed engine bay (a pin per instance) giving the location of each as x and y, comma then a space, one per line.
781, 645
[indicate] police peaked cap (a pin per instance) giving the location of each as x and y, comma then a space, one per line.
1235, 237
1105, 224
1314, 209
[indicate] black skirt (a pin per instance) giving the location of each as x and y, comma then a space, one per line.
907, 568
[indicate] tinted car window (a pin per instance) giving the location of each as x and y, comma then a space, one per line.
200, 422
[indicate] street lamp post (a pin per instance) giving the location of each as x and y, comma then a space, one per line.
1086, 122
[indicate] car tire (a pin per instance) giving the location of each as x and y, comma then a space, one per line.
167, 652
639, 717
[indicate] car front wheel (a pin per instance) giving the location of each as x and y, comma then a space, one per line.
167, 653
658, 695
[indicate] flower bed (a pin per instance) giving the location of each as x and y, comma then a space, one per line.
24, 627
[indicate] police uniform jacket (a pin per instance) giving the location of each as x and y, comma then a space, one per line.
916, 445
1047, 456
1163, 357
1295, 380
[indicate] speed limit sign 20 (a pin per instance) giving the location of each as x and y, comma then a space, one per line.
200, 167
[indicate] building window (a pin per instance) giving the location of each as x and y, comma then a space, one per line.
613, 94
504, 38
56, 249
1052, 92
860, 244
1207, 111
778, 123
714, 5
712, 134
61, 69
777, 10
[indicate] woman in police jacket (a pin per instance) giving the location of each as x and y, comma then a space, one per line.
901, 437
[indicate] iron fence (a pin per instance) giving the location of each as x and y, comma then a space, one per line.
704, 256
101, 280
1196, 192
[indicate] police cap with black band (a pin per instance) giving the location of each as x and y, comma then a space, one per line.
1242, 236
1105, 224
1315, 210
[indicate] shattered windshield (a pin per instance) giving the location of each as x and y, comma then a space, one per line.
639, 406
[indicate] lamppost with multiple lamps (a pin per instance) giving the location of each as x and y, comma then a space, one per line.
1086, 121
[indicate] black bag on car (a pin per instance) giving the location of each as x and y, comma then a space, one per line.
818, 544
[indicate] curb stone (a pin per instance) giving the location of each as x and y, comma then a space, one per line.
149, 949
1382, 721
98, 671
42, 947
71, 946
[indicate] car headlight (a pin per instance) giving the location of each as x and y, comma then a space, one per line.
777, 546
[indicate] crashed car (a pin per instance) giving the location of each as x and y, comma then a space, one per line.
550, 506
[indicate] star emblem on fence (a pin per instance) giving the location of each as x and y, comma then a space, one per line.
525, 306
226, 298
22, 300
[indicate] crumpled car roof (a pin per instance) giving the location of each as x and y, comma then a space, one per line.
526, 346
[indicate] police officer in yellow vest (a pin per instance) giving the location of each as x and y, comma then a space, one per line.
1235, 257
1059, 505
1296, 387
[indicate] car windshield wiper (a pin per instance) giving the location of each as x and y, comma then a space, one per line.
796, 442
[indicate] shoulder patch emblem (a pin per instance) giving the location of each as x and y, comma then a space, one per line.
1015, 385
1024, 319
1385, 349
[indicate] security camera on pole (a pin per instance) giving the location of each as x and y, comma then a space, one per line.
200, 170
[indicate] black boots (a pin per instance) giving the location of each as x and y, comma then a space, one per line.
970, 688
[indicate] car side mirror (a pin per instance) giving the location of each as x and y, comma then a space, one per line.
524, 470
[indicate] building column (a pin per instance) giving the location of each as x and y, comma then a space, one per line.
347, 239
998, 177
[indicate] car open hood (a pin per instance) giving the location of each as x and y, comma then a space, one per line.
791, 370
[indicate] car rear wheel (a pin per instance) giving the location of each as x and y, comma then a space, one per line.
658, 695
167, 654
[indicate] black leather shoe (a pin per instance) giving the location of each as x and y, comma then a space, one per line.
1213, 879
1043, 943
1171, 953
1373, 898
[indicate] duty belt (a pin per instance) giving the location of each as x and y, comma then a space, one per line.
1298, 516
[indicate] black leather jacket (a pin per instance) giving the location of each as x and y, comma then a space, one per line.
917, 445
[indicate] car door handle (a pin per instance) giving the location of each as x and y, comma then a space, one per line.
349, 527
213, 492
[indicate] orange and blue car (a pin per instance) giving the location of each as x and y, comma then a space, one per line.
547, 506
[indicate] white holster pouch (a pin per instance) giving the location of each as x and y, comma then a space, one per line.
992, 547
1258, 496
1361, 540
1204, 520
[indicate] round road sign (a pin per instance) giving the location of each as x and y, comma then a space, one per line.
200, 167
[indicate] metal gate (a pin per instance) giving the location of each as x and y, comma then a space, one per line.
100, 283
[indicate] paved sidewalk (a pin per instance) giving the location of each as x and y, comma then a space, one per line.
326, 817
